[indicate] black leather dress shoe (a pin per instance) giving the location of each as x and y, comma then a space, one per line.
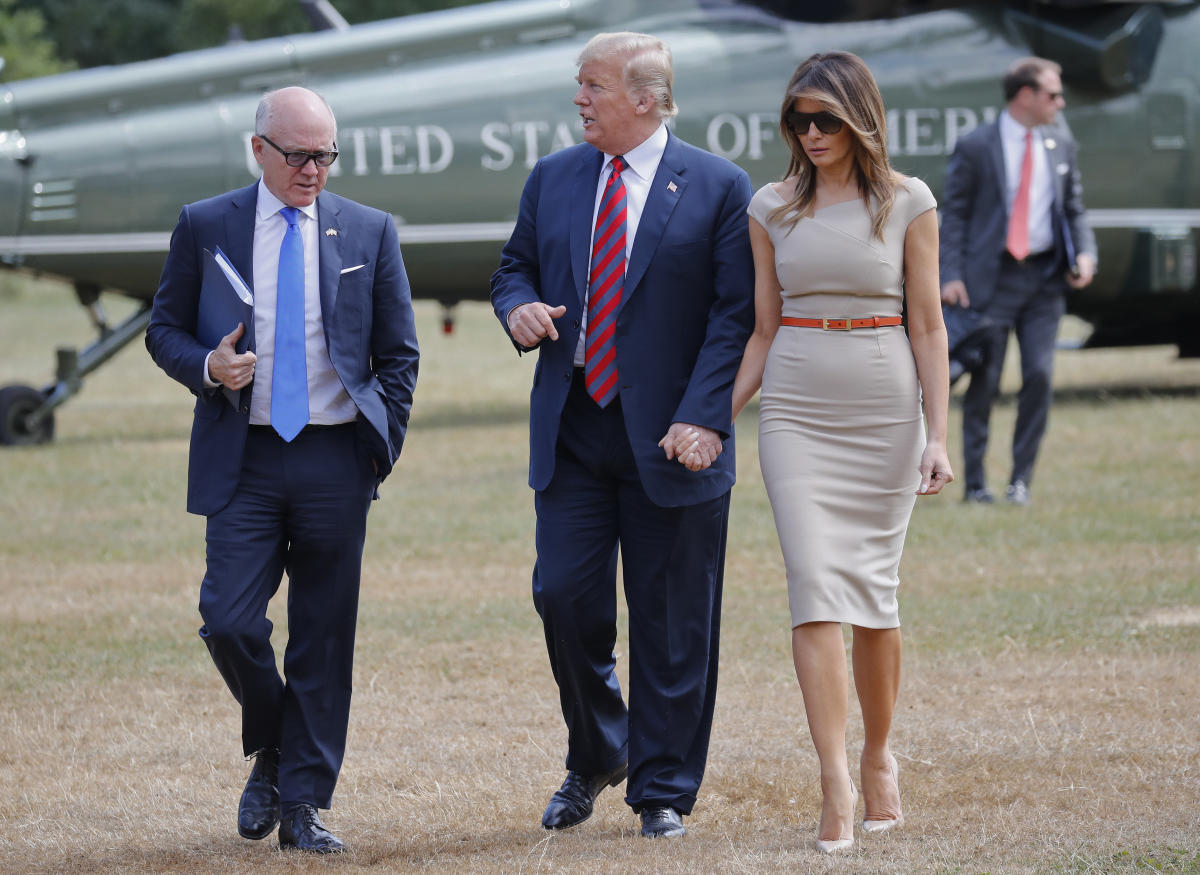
979, 495
662, 822
572, 803
258, 812
301, 828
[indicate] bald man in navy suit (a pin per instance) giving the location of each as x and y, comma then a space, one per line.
285, 473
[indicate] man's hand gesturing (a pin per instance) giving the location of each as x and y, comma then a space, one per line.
530, 324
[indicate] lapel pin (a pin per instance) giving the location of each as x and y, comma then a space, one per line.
672, 186
331, 232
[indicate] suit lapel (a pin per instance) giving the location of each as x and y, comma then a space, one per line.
1052, 143
996, 149
239, 242
1052, 146
666, 189
583, 204
330, 245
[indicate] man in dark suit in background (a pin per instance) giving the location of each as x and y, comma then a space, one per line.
1014, 237
287, 475
630, 270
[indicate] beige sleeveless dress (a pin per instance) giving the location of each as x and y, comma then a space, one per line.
840, 430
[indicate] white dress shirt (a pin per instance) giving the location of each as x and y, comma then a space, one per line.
641, 164
1041, 186
328, 403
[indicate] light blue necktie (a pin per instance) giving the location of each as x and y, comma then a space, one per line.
289, 377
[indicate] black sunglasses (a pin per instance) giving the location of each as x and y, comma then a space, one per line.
799, 122
299, 159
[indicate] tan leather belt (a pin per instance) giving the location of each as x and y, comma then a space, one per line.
842, 323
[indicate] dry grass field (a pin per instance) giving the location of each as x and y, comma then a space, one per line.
1049, 718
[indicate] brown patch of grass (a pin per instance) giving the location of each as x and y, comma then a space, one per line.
1047, 718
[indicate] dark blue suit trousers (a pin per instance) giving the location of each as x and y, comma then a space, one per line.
299, 507
672, 561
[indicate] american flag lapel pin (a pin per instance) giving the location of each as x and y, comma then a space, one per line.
331, 232
672, 187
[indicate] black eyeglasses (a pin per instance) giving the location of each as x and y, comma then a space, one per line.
299, 159
1054, 95
799, 122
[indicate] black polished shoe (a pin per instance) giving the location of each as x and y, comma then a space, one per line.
572, 804
979, 495
662, 822
301, 828
1018, 493
258, 812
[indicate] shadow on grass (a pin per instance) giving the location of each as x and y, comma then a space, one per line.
1097, 393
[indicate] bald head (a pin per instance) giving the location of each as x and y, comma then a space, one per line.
289, 101
293, 119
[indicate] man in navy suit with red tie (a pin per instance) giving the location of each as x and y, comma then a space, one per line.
630, 271
1014, 237
285, 478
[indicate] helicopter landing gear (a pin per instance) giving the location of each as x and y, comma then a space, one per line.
20, 424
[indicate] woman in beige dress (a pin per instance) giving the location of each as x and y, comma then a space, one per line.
840, 245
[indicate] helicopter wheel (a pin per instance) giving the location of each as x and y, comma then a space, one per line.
16, 403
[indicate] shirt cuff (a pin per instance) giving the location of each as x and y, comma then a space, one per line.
208, 383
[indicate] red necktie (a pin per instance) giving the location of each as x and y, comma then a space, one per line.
605, 287
1018, 220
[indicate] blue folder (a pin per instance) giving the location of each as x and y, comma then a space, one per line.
221, 309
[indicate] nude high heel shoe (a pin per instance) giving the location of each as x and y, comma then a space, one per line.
876, 827
832, 846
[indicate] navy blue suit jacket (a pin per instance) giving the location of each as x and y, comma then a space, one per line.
367, 315
686, 313
974, 210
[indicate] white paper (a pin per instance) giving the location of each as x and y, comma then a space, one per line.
235, 279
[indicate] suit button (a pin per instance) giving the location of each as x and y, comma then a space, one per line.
575, 324
567, 376
245, 409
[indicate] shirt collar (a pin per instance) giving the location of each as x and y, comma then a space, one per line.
643, 159
1011, 129
269, 205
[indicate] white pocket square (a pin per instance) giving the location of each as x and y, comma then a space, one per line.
346, 270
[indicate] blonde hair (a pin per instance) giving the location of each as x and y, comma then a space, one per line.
648, 68
843, 85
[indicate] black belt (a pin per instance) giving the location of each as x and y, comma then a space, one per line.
1031, 258
308, 429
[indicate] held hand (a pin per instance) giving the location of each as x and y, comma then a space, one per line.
530, 324
227, 367
934, 468
955, 293
693, 446
1085, 270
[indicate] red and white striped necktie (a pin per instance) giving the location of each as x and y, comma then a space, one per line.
606, 285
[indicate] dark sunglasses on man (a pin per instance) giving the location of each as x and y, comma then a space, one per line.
299, 159
799, 122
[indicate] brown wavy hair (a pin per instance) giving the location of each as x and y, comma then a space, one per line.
843, 85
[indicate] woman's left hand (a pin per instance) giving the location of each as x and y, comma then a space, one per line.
935, 469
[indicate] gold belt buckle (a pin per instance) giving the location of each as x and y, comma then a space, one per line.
830, 324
